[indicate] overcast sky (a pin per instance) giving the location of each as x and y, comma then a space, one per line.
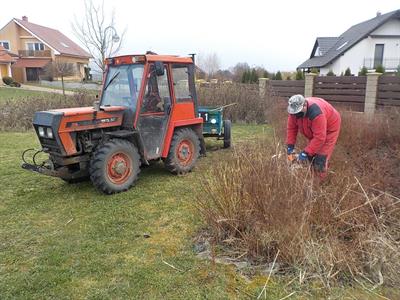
278, 35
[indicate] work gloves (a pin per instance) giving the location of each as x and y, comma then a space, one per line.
290, 149
302, 156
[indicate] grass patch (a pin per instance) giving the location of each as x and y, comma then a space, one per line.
69, 241
15, 94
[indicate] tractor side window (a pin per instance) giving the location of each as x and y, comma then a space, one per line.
156, 93
181, 83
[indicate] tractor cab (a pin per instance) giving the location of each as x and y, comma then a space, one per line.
147, 110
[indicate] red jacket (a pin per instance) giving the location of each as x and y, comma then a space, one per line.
320, 121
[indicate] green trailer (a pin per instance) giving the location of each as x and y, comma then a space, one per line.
214, 124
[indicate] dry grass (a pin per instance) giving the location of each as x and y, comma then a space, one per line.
345, 228
18, 114
249, 107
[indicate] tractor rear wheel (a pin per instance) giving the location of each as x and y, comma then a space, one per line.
183, 152
115, 166
227, 133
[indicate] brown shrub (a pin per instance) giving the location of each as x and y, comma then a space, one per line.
249, 106
17, 114
345, 227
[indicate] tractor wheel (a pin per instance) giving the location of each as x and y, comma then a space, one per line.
227, 133
183, 152
115, 166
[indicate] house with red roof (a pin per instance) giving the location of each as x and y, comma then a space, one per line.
33, 47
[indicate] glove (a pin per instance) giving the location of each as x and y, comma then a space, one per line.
302, 157
290, 149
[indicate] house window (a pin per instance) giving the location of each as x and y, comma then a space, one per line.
5, 44
378, 57
35, 46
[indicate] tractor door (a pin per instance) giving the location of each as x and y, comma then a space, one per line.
154, 112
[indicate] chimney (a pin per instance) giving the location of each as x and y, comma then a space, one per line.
25, 18
378, 13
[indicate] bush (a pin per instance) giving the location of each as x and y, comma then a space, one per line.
380, 69
314, 70
347, 72
330, 73
299, 75
347, 227
278, 76
363, 71
18, 114
15, 84
7, 80
249, 106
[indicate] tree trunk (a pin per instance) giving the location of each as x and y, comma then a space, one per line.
62, 83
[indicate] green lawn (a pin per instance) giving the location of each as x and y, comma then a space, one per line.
17, 93
64, 241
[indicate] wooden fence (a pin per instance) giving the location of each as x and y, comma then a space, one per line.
348, 92
388, 91
344, 91
287, 88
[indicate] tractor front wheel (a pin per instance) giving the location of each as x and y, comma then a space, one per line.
115, 166
183, 152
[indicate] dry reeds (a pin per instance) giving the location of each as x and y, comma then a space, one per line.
345, 228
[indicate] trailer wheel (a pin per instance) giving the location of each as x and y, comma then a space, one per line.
183, 152
115, 166
227, 133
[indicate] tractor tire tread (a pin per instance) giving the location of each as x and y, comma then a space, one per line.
96, 167
171, 162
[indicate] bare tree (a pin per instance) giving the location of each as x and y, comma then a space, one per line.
62, 69
97, 33
209, 63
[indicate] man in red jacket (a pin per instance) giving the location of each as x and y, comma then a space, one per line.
319, 122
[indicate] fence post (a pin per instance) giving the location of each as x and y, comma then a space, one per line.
309, 84
371, 93
262, 86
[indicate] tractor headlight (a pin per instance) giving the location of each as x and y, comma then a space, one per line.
213, 121
49, 133
41, 132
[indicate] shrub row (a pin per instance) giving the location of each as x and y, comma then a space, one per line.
17, 114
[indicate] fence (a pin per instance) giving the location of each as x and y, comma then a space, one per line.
362, 93
348, 92
287, 88
388, 91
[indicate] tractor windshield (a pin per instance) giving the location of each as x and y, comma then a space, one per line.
122, 85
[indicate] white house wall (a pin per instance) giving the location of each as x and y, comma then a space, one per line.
354, 57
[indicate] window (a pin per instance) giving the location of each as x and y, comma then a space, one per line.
181, 83
35, 46
5, 44
122, 86
157, 92
378, 57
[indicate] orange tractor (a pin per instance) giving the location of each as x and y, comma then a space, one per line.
147, 111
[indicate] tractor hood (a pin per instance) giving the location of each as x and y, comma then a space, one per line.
57, 128
86, 110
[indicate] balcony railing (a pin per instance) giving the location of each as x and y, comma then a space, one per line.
34, 53
387, 63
